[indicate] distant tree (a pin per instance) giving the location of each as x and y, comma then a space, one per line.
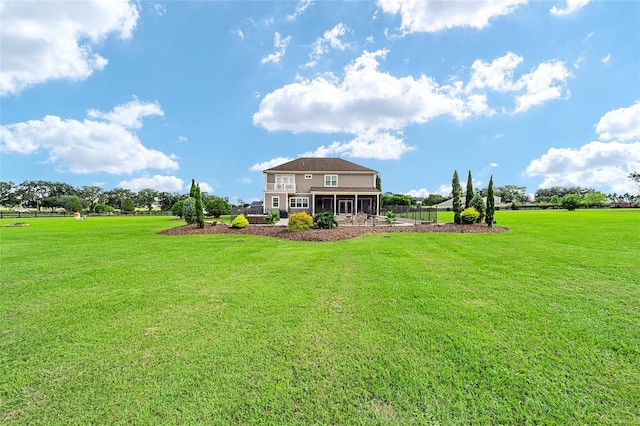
73, 204
491, 206
512, 194
635, 176
146, 198
594, 199
92, 195
433, 199
117, 196
128, 206
456, 190
396, 200
469, 195
166, 200
571, 201
177, 208
217, 207
199, 208
7, 194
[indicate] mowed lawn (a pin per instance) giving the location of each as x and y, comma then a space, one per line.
104, 322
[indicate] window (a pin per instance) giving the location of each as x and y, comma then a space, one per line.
330, 180
299, 202
308, 176
275, 202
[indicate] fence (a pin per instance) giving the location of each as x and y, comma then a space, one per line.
413, 214
32, 214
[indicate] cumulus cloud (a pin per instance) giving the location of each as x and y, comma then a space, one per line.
367, 144
437, 15
596, 164
158, 182
44, 41
258, 167
572, 6
300, 8
365, 98
205, 187
281, 47
330, 40
621, 124
544, 83
104, 142
418, 193
245, 180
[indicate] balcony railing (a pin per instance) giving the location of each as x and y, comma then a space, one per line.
281, 187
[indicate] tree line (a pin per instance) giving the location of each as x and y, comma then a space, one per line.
41, 194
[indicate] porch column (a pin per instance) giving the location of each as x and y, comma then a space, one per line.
335, 204
356, 206
313, 204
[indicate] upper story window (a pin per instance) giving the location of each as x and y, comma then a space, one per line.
308, 176
330, 180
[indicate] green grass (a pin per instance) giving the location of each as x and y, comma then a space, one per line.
104, 322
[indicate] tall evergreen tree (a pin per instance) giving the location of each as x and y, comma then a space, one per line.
491, 205
199, 207
456, 190
192, 191
469, 197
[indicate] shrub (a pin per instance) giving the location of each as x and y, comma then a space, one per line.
240, 222
390, 218
273, 217
127, 205
469, 215
177, 208
189, 210
300, 222
102, 208
73, 204
478, 203
217, 207
571, 201
324, 220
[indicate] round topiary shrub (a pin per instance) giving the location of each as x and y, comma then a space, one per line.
300, 222
324, 220
469, 215
239, 222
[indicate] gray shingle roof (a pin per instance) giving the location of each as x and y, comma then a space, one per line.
314, 164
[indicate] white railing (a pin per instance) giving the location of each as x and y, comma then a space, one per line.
281, 187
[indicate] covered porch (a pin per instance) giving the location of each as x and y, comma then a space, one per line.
345, 201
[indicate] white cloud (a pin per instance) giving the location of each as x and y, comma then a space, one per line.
182, 139
205, 187
367, 144
418, 193
238, 32
545, 83
245, 180
330, 39
444, 190
432, 16
596, 164
281, 47
258, 167
498, 75
621, 124
365, 99
44, 41
572, 6
606, 59
159, 9
300, 8
89, 146
157, 182
493, 165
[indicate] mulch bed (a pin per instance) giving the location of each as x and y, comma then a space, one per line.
336, 234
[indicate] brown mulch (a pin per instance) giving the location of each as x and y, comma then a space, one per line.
336, 234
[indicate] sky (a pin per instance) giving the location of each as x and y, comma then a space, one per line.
127, 94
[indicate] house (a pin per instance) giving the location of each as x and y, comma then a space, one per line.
315, 185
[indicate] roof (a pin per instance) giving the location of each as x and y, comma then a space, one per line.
315, 164
351, 190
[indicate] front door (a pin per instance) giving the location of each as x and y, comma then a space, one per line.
345, 206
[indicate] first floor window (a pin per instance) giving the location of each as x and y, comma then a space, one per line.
299, 202
275, 202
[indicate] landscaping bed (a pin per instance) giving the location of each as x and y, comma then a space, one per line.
336, 234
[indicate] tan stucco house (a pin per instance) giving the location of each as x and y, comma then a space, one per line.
316, 185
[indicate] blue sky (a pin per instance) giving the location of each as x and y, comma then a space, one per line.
153, 94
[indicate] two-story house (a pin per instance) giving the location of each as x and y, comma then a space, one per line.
315, 185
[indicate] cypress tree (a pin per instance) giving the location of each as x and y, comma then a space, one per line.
456, 189
469, 197
192, 191
491, 207
199, 207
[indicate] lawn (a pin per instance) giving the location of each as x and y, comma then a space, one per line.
104, 322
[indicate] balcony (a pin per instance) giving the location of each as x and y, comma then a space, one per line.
280, 187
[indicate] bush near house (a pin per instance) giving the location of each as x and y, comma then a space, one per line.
240, 222
324, 220
469, 215
272, 218
300, 222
